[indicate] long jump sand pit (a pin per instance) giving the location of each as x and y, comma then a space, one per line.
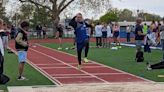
118, 87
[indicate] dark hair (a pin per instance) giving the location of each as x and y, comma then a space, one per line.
139, 48
98, 23
24, 24
153, 21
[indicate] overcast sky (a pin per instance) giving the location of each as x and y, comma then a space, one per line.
151, 6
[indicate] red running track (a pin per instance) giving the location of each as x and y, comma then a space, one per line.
61, 68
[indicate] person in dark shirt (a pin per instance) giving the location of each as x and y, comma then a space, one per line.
139, 35
13, 32
60, 34
44, 29
21, 45
139, 55
39, 31
81, 37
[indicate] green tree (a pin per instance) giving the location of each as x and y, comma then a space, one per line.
41, 17
127, 15
2, 11
111, 15
26, 11
149, 16
56, 7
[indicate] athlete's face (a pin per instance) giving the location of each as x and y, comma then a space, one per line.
79, 18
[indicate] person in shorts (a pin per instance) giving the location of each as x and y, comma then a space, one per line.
21, 45
116, 33
60, 35
44, 29
104, 35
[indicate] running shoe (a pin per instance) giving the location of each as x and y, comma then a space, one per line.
119, 47
79, 67
149, 67
59, 48
22, 78
86, 60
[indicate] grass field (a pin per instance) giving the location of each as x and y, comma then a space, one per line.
122, 59
11, 70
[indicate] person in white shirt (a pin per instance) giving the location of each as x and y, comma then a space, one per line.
128, 31
159, 65
4, 36
1, 48
162, 37
98, 34
109, 35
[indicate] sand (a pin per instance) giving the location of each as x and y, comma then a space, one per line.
121, 87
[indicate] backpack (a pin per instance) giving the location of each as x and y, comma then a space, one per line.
140, 56
4, 79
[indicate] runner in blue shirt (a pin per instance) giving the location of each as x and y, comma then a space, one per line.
81, 37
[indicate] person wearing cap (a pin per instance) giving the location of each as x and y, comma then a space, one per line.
21, 44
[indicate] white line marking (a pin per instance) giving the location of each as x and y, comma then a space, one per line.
55, 67
70, 65
85, 74
75, 77
49, 64
99, 64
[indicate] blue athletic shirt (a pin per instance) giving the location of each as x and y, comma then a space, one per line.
81, 32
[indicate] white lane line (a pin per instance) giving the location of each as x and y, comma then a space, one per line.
94, 62
72, 77
55, 67
43, 67
85, 74
70, 65
48, 64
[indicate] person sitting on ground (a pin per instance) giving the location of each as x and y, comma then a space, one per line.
139, 55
